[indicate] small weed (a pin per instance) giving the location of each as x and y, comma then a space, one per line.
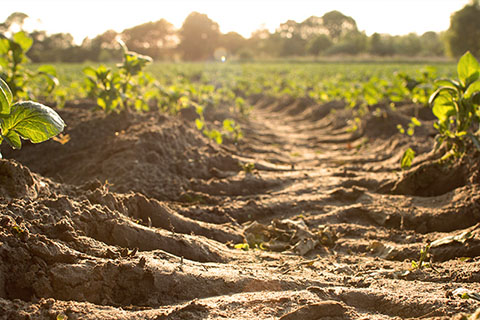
248, 167
407, 158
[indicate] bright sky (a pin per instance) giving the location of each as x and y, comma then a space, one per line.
84, 18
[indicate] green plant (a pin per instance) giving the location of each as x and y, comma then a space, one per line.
233, 129
247, 167
422, 260
414, 122
456, 104
407, 158
13, 58
27, 119
212, 134
125, 88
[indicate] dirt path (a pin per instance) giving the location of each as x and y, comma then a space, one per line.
137, 216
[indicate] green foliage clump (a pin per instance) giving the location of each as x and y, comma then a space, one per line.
13, 60
456, 104
122, 89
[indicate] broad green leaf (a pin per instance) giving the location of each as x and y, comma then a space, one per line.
447, 83
47, 69
5, 97
91, 72
468, 69
407, 158
32, 121
474, 87
443, 108
13, 139
23, 40
442, 91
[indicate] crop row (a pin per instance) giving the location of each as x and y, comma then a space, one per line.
137, 84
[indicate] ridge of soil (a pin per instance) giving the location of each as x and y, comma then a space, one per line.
137, 217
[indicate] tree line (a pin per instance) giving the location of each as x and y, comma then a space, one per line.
200, 38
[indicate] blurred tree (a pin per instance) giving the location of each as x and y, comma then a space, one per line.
464, 31
199, 36
262, 43
232, 42
15, 19
352, 43
381, 45
432, 44
408, 45
103, 47
290, 35
51, 48
152, 38
319, 44
338, 25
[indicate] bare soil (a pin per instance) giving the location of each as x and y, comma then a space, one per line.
137, 217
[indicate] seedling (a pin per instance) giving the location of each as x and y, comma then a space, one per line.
242, 106
233, 129
213, 134
123, 88
27, 119
247, 167
425, 259
456, 104
407, 158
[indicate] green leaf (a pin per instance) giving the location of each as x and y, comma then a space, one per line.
52, 81
416, 122
472, 89
32, 121
441, 92
468, 69
199, 124
23, 40
407, 158
228, 125
47, 69
448, 83
5, 97
91, 72
443, 108
13, 139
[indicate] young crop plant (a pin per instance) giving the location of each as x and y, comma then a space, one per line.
419, 88
13, 58
27, 119
456, 104
122, 89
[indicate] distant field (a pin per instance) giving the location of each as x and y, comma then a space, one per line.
322, 81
